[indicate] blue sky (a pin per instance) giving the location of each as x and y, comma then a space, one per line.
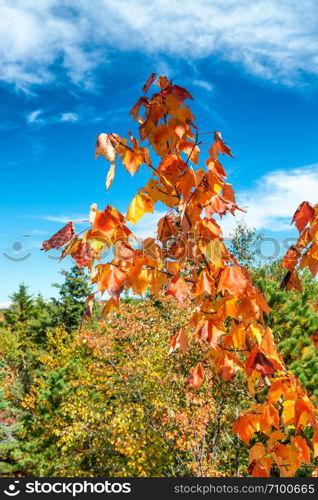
69, 71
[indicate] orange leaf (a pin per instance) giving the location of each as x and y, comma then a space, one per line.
302, 449
113, 279
259, 464
178, 289
304, 413
304, 214
196, 377
233, 279
291, 258
219, 146
245, 427
132, 160
111, 304
205, 283
179, 341
228, 193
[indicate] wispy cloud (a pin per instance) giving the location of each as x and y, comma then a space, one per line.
34, 117
273, 199
63, 219
270, 39
270, 203
147, 226
204, 84
39, 118
69, 117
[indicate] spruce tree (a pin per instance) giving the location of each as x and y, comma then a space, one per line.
71, 304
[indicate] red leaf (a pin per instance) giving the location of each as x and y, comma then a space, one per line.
89, 309
149, 82
304, 214
219, 146
60, 238
259, 362
314, 338
83, 254
180, 93
291, 258
143, 101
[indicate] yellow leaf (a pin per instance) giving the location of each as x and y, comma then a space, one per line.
110, 306
141, 204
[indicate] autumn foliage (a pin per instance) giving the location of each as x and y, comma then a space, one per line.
190, 263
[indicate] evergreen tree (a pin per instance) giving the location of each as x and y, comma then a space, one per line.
71, 304
292, 317
22, 307
293, 320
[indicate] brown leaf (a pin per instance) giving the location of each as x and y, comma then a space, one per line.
143, 101
291, 281
149, 82
60, 238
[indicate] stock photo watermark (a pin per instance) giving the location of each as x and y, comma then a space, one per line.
265, 250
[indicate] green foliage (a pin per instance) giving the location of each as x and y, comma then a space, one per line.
73, 292
108, 400
292, 317
244, 243
293, 320
22, 307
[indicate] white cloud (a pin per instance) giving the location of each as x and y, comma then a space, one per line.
33, 117
38, 119
5, 305
271, 39
64, 218
272, 201
147, 225
69, 117
204, 84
